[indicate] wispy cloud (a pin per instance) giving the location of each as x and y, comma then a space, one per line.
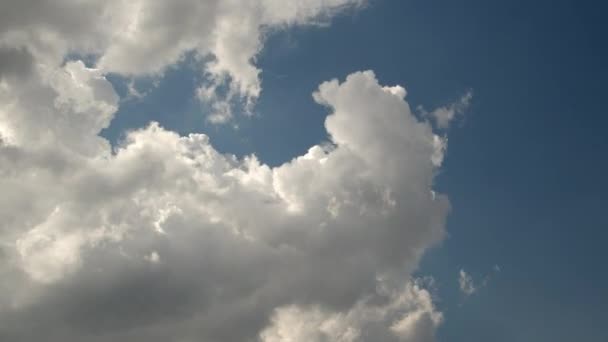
466, 283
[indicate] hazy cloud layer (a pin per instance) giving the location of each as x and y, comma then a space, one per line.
164, 238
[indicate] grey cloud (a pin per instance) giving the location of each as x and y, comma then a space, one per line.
15, 62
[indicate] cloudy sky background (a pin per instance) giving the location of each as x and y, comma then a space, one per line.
280, 171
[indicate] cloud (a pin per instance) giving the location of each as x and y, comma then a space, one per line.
442, 116
144, 37
409, 311
466, 283
167, 238
163, 238
14, 62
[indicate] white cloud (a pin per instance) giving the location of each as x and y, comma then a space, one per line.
164, 238
237, 237
142, 37
466, 283
444, 115
153, 257
405, 314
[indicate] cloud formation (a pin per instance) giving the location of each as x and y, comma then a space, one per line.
443, 116
143, 37
466, 283
166, 233
363, 322
469, 286
165, 239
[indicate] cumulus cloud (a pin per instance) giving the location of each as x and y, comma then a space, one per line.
405, 314
143, 37
163, 238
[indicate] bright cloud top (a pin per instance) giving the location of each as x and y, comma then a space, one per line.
164, 238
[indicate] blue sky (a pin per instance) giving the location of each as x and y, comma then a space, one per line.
526, 166
525, 171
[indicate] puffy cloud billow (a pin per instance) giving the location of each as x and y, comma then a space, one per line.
163, 238
143, 37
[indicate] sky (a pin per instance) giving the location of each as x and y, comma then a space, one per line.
306, 170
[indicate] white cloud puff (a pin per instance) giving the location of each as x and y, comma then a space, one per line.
142, 37
443, 116
404, 314
466, 283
